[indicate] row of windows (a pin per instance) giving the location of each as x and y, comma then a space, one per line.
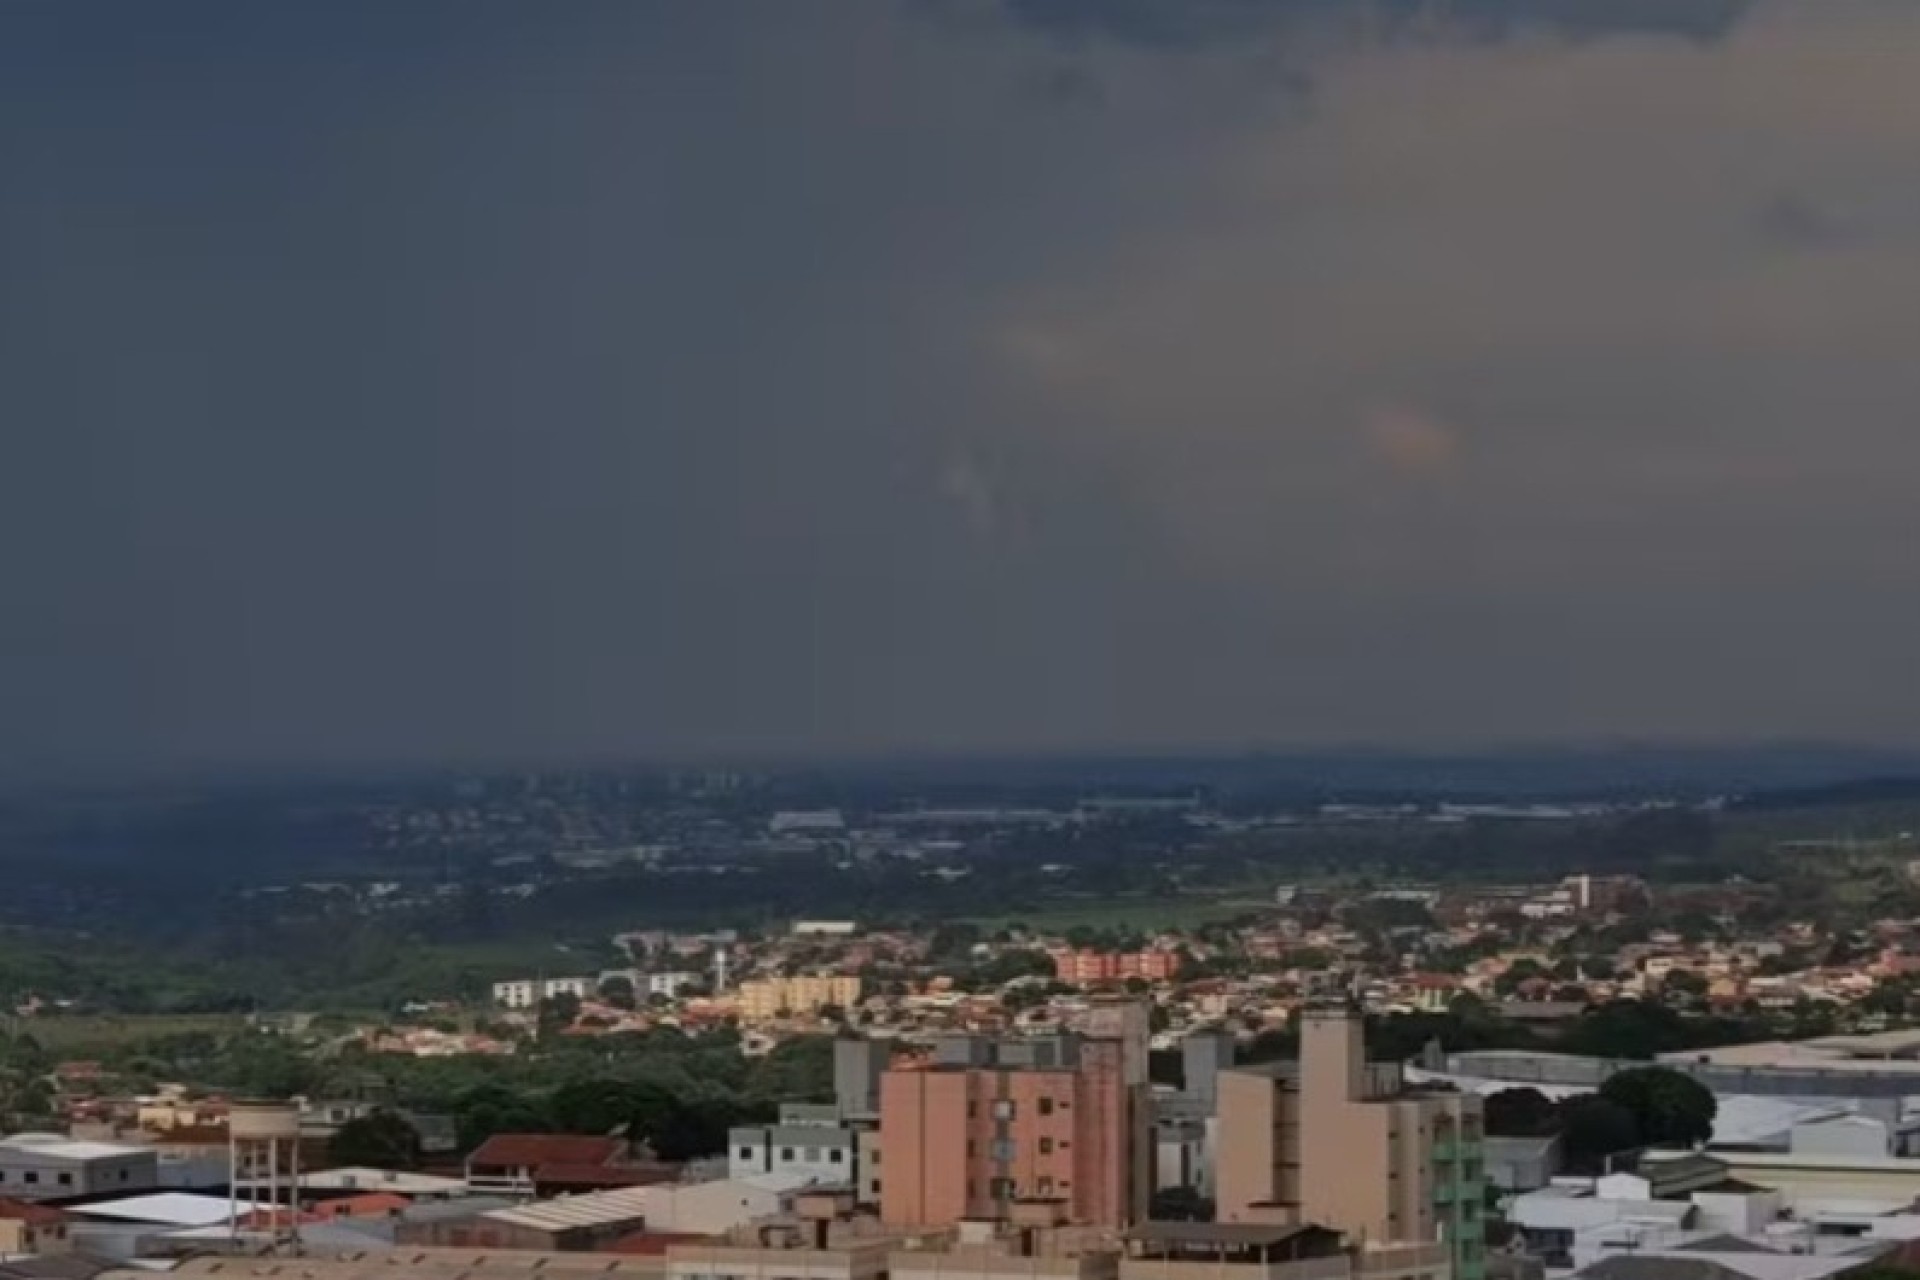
1007, 1148
1009, 1188
1007, 1109
32, 1177
835, 1155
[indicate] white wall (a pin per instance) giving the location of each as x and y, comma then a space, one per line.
709, 1208
1738, 1213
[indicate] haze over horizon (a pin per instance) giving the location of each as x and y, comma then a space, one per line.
476, 380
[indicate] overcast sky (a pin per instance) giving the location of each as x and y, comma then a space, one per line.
457, 381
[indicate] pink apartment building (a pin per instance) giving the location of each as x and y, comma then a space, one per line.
987, 1124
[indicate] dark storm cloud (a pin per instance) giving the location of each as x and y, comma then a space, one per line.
482, 381
1200, 24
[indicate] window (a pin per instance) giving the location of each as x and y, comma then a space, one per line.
1045, 1186
813, 1155
973, 1109
786, 1154
66, 1179
836, 1156
1046, 1106
1001, 1189
1003, 1149
1046, 1146
970, 1149
746, 1153
1003, 1109
31, 1175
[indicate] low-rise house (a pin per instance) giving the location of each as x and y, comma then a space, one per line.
510, 1163
29, 1228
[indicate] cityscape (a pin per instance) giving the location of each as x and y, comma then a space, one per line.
1254, 1056
959, 640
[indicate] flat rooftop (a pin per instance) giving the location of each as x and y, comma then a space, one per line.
1890, 1053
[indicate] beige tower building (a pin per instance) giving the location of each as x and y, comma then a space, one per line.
1337, 1141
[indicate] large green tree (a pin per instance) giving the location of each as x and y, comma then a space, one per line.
1593, 1128
1671, 1108
383, 1139
1521, 1113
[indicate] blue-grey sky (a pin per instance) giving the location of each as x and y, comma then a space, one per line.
460, 380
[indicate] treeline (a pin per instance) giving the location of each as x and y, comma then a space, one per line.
678, 1093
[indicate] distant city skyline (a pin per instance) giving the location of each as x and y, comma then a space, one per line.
495, 382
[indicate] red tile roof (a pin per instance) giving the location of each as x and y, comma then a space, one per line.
602, 1175
374, 1204
36, 1214
533, 1150
266, 1219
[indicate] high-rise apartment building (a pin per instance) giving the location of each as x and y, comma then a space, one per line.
985, 1124
1339, 1142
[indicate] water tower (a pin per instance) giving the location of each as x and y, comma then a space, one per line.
263, 1148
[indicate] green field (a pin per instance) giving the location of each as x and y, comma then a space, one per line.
87, 1034
1143, 914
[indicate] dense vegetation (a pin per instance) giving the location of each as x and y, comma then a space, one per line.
1637, 1108
677, 1093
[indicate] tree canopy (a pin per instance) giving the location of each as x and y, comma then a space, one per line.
1671, 1108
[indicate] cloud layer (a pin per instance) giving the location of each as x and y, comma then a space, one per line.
402, 385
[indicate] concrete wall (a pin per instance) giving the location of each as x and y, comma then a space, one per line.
1839, 1136
923, 1114
820, 1153
26, 1174
1246, 1166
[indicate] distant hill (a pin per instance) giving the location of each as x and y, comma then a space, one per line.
1848, 794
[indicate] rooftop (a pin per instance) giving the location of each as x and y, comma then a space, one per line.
22, 1211
1239, 1235
600, 1208
473, 1264
531, 1150
58, 1146
171, 1208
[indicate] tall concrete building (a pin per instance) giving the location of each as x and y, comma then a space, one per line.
1204, 1055
986, 1124
858, 1065
1339, 1142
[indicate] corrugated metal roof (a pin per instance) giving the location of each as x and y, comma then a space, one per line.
167, 1208
601, 1208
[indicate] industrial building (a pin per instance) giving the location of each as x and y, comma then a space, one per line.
51, 1166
